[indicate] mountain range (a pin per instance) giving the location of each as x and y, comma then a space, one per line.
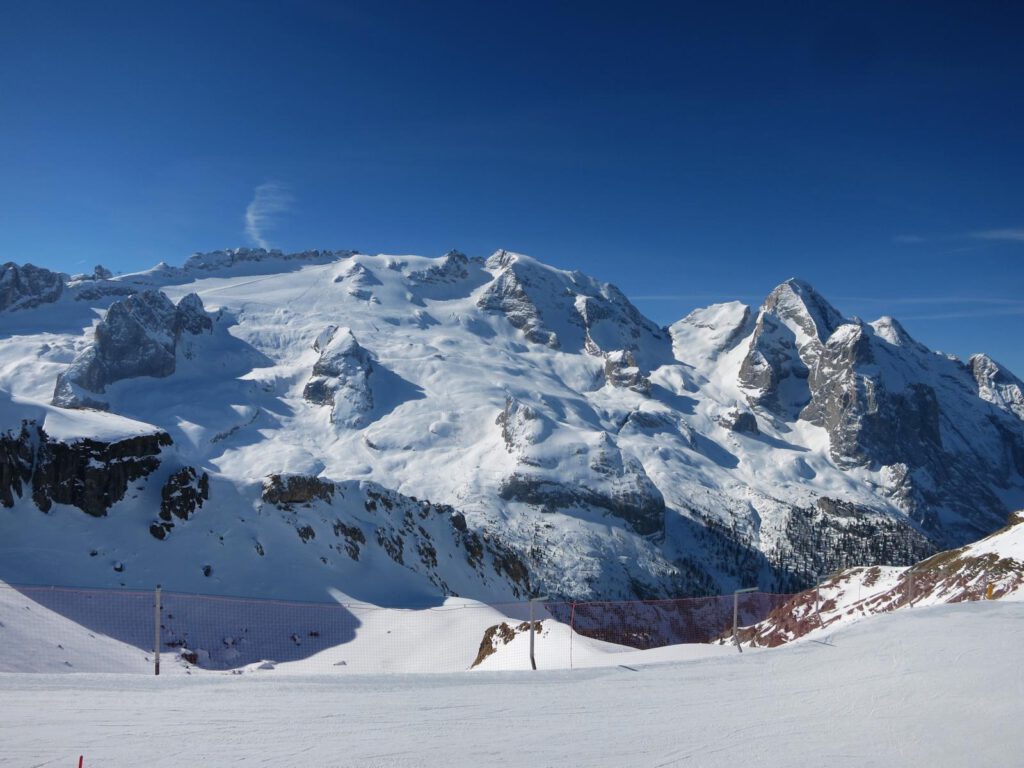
401, 428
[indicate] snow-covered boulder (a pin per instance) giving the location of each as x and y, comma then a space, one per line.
341, 378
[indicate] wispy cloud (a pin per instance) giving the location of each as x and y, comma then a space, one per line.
959, 314
1004, 235
1012, 234
269, 201
983, 300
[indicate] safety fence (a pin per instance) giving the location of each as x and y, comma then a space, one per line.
48, 629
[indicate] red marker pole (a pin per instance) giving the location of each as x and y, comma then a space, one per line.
80, 758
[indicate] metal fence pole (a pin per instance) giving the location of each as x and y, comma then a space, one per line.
156, 632
533, 661
736, 615
817, 598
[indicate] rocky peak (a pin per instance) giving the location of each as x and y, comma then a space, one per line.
570, 311
797, 301
889, 329
138, 337
792, 327
26, 286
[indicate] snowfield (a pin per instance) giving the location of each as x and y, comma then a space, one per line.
938, 686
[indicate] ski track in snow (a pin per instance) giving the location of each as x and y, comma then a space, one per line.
933, 687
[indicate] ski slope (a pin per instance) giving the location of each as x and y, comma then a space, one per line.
934, 687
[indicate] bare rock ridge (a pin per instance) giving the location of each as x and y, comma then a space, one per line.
138, 337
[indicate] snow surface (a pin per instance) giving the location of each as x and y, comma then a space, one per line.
932, 687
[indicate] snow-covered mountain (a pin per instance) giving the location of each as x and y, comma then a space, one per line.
402, 427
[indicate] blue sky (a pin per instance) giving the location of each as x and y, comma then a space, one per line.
688, 152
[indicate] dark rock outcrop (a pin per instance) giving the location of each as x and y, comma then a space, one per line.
26, 286
284, 490
89, 474
17, 456
181, 495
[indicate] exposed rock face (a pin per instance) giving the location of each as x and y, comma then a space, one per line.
180, 497
92, 475
89, 474
875, 390
17, 456
296, 489
409, 531
341, 378
621, 370
890, 404
792, 326
454, 268
865, 420
570, 311
26, 286
997, 385
138, 337
508, 296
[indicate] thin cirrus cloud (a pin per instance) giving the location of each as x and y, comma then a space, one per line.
269, 201
1004, 235
1012, 235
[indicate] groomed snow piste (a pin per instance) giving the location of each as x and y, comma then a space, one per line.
939, 686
